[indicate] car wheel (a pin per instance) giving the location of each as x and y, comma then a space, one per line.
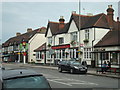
60, 69
71, 71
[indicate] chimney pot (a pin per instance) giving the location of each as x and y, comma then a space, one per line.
61, 20
29, 30
117, 19
18, 33
109, 6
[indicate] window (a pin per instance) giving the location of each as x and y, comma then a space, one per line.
37, 55
26, 82
61, 40
63, 53
74, 36
87, 34
49, 40
48, 55
114, 58
87, 53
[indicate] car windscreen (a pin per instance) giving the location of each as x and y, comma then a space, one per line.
76, 64
27, 82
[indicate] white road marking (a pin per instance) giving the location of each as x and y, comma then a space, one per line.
60, 82
67, 81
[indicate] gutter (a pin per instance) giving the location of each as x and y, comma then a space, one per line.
93, 39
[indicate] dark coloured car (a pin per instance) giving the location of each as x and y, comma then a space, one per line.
22, 78
71, 66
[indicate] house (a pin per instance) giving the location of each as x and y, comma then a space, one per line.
41, 54
21, 47
76, 38
108, 48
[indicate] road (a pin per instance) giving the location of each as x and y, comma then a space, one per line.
67, 80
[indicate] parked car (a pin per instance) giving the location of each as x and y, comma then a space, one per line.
71, 66
22, 78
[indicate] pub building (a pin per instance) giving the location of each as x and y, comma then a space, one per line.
77, 38
58, 47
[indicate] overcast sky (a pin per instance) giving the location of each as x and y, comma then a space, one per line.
18, 16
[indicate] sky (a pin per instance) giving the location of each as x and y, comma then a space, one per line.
18, 16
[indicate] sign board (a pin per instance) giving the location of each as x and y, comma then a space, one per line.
60, 47
81, 45
23, 46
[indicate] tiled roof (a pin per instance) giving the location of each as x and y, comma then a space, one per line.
81, 21
54, 27
42, 47
26, 36
112, 38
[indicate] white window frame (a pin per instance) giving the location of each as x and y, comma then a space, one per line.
62, 40
49, 40
74, 36
87, 53
87, 34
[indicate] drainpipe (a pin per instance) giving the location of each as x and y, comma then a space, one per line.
54, 52
93, 43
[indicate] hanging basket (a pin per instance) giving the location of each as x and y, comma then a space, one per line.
86, 41
49, 45
73, 42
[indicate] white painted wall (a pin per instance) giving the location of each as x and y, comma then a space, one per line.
36, 41
73, 27
99, 34
49, 34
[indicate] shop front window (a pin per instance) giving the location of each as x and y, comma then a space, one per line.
105, 56
48, 55
114, 58
63, 53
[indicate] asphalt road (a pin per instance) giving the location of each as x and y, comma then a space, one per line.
67, 80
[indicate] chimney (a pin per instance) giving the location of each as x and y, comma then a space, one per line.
117, 19
61, 22
18, 34
110, 14
29, 30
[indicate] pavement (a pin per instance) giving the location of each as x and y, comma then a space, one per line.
91, 71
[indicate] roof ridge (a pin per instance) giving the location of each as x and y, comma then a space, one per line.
57, 22
98, 20
87, 15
